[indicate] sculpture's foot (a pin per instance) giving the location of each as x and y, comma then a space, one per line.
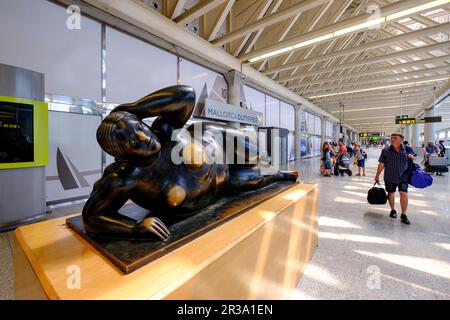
152, 228
288, 175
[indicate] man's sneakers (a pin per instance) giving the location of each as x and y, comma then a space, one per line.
393, 214
404, 219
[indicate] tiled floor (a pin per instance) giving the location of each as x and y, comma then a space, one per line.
362, 253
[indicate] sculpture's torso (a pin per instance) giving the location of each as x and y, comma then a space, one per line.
167, 188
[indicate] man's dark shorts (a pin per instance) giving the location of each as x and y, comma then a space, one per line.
391, 187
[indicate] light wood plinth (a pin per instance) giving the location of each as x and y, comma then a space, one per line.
258, 255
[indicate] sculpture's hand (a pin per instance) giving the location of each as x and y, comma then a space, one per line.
154, 227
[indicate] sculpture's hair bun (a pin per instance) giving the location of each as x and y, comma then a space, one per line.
106, 133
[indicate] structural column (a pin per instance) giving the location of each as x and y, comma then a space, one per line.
408, 133
415, 136
298, 121
323, 131
235, 81
429, 128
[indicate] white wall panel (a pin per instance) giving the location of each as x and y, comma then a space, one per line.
272, 112
135, 68
254, 100
34, 35
73, 167
287, 115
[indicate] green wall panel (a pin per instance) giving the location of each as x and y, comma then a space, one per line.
40, 131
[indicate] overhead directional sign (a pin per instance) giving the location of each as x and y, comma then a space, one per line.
371, 134
417, 121
406, 121
403, 116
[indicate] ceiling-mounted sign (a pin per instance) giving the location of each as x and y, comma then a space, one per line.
371, 134
406, 121
417, 121
433, 119
403, 116
227, 112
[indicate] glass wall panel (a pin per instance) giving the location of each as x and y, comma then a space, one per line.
136, 68
317, 125
310, 122
254, 100
303, 122
287, 116
206, 83
272, 112
34, 35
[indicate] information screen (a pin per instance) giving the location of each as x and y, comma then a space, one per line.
16, 132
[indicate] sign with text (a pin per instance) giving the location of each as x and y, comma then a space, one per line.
371, 134
406, 121
416, 121
403, 116
227, 112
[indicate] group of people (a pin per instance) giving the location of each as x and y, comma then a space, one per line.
332, 152
432, 149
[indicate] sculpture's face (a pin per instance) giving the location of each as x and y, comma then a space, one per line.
137, 140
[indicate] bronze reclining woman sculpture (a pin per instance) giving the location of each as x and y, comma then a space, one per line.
144, 172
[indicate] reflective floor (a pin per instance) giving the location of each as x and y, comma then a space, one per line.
362, 253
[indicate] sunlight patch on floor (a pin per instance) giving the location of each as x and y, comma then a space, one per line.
320, 274
333, 222
348, 200
428, 265
442, 245
356, 238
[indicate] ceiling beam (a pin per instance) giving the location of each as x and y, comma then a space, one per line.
310, 26
221, 20
197, 11
418, 63
260, 12
178, 8
397, 84
384, 11
369, 61
375, 80
368, 46
269, 20
254, 37
376, 93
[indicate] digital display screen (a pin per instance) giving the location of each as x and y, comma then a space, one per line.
16, 132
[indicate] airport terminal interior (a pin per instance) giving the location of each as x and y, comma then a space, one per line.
225, 149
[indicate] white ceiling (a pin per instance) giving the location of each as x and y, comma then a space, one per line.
365, 69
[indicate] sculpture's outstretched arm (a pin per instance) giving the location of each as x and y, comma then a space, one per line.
172, 105
101, 213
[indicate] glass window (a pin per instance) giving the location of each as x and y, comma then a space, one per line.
305, 148
272, 112
254, 100
34, 35
310, 122
135, 68
206, 83
287, 116
317, 125
303, 122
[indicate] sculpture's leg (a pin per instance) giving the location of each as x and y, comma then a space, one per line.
244, 179
101, 216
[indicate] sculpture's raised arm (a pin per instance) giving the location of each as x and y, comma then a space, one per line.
173, 106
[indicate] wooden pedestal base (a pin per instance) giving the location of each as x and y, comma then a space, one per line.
258, 255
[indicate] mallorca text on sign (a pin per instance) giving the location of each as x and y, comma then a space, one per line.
227, 112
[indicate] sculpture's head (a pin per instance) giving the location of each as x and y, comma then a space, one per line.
125, 137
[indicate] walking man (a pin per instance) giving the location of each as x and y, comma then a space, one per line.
394, 160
